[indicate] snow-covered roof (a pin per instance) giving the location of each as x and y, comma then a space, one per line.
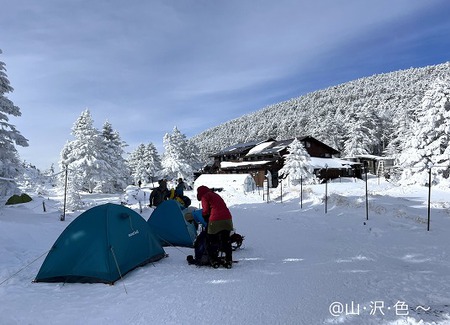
271, 147
230, 164
317, 163
266, 147
260, 148
331, 163
373, 157
236, 148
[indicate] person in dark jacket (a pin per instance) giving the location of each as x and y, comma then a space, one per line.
159, 194
220, 224
181, 186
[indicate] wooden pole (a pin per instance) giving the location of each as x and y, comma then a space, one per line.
281, 190
63, 217
367, 195
326, 195
301, 192
429, 199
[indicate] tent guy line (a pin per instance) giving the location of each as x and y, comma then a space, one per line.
23, 268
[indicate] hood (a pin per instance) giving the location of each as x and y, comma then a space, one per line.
201, 190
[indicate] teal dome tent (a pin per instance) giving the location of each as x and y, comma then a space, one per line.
169, 225
101, 245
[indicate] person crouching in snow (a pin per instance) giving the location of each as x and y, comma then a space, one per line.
220, 224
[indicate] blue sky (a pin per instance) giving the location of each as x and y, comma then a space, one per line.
147, 66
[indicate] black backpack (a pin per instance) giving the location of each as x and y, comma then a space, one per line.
186, 201
201, 255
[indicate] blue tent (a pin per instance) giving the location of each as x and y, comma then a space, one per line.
101, 245
168, 224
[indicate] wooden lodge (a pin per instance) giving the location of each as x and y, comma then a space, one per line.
264, 159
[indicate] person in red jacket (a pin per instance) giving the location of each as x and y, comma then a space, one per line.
220, 224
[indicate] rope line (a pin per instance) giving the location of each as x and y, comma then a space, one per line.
14, 274
172, 245
118, 269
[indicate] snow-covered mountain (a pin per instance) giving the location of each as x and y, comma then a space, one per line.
378, 111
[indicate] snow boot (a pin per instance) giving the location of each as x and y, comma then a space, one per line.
228, 264
215, 264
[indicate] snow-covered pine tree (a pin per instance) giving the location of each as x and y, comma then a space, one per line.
429, 146
297, 164
115, 177
400, 124
74, 179
193, 156
361, 128
32, 179
328, 127
145, 163
83, 155
137, 165
9, 137
74, 201
152, 162
176, 159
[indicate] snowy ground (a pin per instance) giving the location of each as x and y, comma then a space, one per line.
297, 266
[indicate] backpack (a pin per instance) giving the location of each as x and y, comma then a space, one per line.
186, 200
201, 255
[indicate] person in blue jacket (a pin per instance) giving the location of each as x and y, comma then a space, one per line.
198, 217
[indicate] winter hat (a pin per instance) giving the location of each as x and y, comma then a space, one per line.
201, 190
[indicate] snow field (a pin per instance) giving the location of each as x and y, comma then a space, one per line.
295, 265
